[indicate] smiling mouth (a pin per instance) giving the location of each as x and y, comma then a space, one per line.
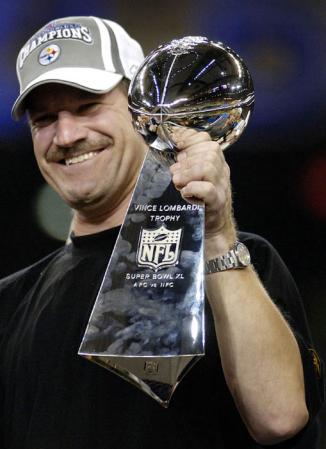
80, 158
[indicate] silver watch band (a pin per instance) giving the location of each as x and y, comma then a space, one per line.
237, 257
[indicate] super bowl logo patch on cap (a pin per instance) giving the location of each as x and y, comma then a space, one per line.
49, 54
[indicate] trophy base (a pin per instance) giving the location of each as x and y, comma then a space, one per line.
156, 376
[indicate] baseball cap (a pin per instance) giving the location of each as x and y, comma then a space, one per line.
89, 53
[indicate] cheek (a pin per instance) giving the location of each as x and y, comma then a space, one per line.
40, 152
113, 121
37, 154
42, 139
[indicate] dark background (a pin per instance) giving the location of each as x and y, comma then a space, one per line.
278, 165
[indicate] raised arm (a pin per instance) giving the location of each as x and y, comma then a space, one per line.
259, 352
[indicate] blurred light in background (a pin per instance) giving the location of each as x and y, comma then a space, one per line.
283, 44
52, 214
314, 186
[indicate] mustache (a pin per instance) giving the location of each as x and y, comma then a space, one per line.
59, 152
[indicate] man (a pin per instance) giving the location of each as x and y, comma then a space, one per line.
260, 382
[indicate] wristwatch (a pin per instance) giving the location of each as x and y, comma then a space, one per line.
237, 257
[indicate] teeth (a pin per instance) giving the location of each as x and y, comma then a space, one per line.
81, 158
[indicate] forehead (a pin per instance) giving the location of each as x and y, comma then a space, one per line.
54, 95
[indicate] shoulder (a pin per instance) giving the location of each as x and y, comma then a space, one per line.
276, 278
14, 287
282, 289
268, 263
259, 247
27, 274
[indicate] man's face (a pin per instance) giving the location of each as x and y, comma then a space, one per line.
85, 145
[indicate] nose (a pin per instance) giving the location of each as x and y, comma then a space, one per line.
68, 130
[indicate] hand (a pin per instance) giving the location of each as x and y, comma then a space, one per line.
201, 173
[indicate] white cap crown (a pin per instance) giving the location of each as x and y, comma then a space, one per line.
89, 53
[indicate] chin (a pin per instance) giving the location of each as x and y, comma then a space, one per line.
86, 203
78, 201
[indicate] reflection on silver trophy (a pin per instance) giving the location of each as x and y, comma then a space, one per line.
195, 83
147, 324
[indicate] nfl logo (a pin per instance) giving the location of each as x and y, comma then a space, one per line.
159, 248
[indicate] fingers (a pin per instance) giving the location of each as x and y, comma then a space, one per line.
206, 191
185, 138
197, 168
201, 173
199, 159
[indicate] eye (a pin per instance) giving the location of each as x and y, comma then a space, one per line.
87, 108
41, 121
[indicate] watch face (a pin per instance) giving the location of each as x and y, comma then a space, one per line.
243, 254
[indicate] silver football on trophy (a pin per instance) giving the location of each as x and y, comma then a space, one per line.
191, 82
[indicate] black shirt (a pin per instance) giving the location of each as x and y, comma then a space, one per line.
54, 399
